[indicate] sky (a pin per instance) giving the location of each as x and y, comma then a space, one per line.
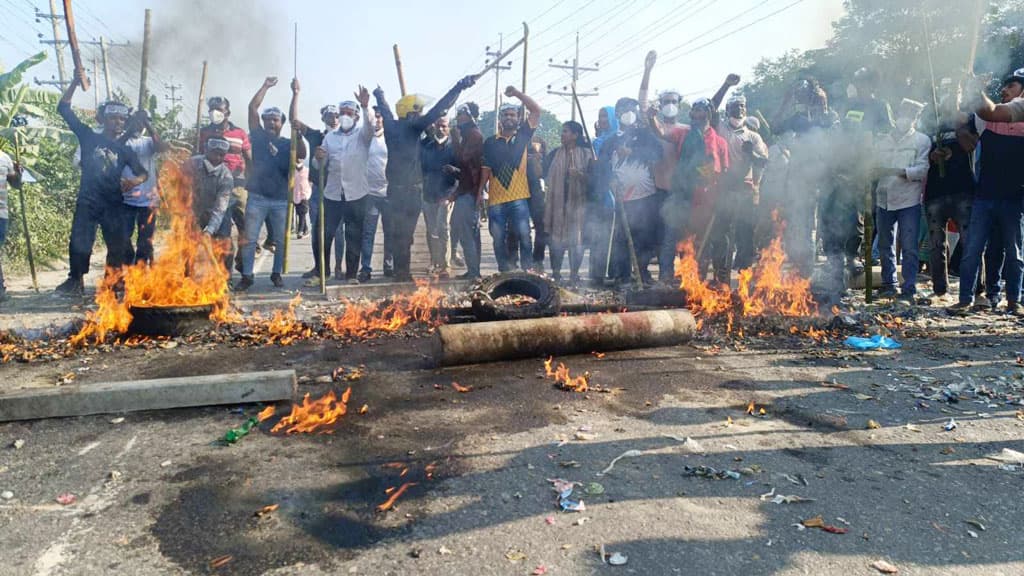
342, 45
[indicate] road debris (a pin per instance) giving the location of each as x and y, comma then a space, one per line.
872, 425
66, 499
950, 426
460, 388
976, 523
626, 454
618, 559
713, 473
1008, 456
876, 342
515, 555
17, 444
819, 523
220, 561
884, 567
266, 510
6, 495
394, 496
539, 570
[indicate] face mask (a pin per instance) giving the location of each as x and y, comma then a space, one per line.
904, 124
217, 117
628, 118
346, 123
851, 91
670, 110
735, 123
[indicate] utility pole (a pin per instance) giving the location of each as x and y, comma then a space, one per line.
174, 98
576, 69
497, 77
58, 47
96, 93
103, 43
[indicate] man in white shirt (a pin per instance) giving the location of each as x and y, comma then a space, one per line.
902, 167
376, 203
10, 175
345, 152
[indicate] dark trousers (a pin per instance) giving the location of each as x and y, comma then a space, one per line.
377, 211
938, 211
406, 204
734, 224
842, 230
142, 218
349, 214
301, 223
644, 220
110, 216
1005, 215
597, 230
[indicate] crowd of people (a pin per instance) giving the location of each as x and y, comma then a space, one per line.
646, 181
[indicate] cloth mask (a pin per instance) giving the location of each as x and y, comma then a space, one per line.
628, 118
217, 117
670, 110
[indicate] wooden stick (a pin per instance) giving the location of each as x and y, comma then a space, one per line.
24, 213
76, 54
322, 172
199, 108
526, 52
398, 67
292, 159
145, 62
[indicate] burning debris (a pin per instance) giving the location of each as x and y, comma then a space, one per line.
564, 379
314, 417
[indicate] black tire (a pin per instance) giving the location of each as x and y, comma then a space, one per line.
545, 294
169, 321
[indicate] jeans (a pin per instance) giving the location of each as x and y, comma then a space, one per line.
436, 215
841, 229
909, 222
1006, 215
143, 218
516, 215
939, 211
110, 217
734, 224
260, 210
674, 212
376, 211
597, 230
465, 224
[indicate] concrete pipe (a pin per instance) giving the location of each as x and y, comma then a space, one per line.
535, 338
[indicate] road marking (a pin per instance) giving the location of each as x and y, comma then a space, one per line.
88, 449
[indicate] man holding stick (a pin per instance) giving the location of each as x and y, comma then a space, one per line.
100, 192
405, 176
268, 185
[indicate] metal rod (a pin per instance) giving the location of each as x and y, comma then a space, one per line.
398, 68
145, 62
199, 108
526, 52
504, 54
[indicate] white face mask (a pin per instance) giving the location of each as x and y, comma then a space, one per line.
217, 117
670, 110
346, 123
904, 124
628, 118
851, 91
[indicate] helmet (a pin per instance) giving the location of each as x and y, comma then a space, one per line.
410, 103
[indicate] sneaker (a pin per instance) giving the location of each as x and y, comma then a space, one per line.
981, 302
71, 287
468, 276
243, 284
338, 274
363, 276
906, 297
314, 273
1014, 309
352, 281
276, 279
458, 262
388, 271
887, 292
959, 309
312, 282
268, 245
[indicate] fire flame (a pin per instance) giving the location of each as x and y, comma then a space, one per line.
763, 289
362, 320
564, 379
186, 272
315, 416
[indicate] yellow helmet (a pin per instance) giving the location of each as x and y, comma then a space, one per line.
410, 103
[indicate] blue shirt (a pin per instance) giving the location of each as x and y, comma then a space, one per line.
270, 157
103, 160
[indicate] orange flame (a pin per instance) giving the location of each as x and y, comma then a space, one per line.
187, 271
315, 416
362, 320
283, 327
564, 379
763, 289
395, 494
266, 413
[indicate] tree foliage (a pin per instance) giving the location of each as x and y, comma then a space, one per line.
550, 128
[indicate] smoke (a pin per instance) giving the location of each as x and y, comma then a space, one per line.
241, 43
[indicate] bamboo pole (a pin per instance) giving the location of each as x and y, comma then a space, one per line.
199, 108
292, 159
399, 69
145, 62
24, 214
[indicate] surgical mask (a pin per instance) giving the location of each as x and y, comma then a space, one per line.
670, 110
851, 91
628, 118
346, 123
217, 117
904, 124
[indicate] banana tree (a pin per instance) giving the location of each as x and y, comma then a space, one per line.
17, 98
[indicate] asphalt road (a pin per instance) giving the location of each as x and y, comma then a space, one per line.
158, 494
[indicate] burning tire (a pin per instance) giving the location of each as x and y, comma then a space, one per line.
515, 296
169, 320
